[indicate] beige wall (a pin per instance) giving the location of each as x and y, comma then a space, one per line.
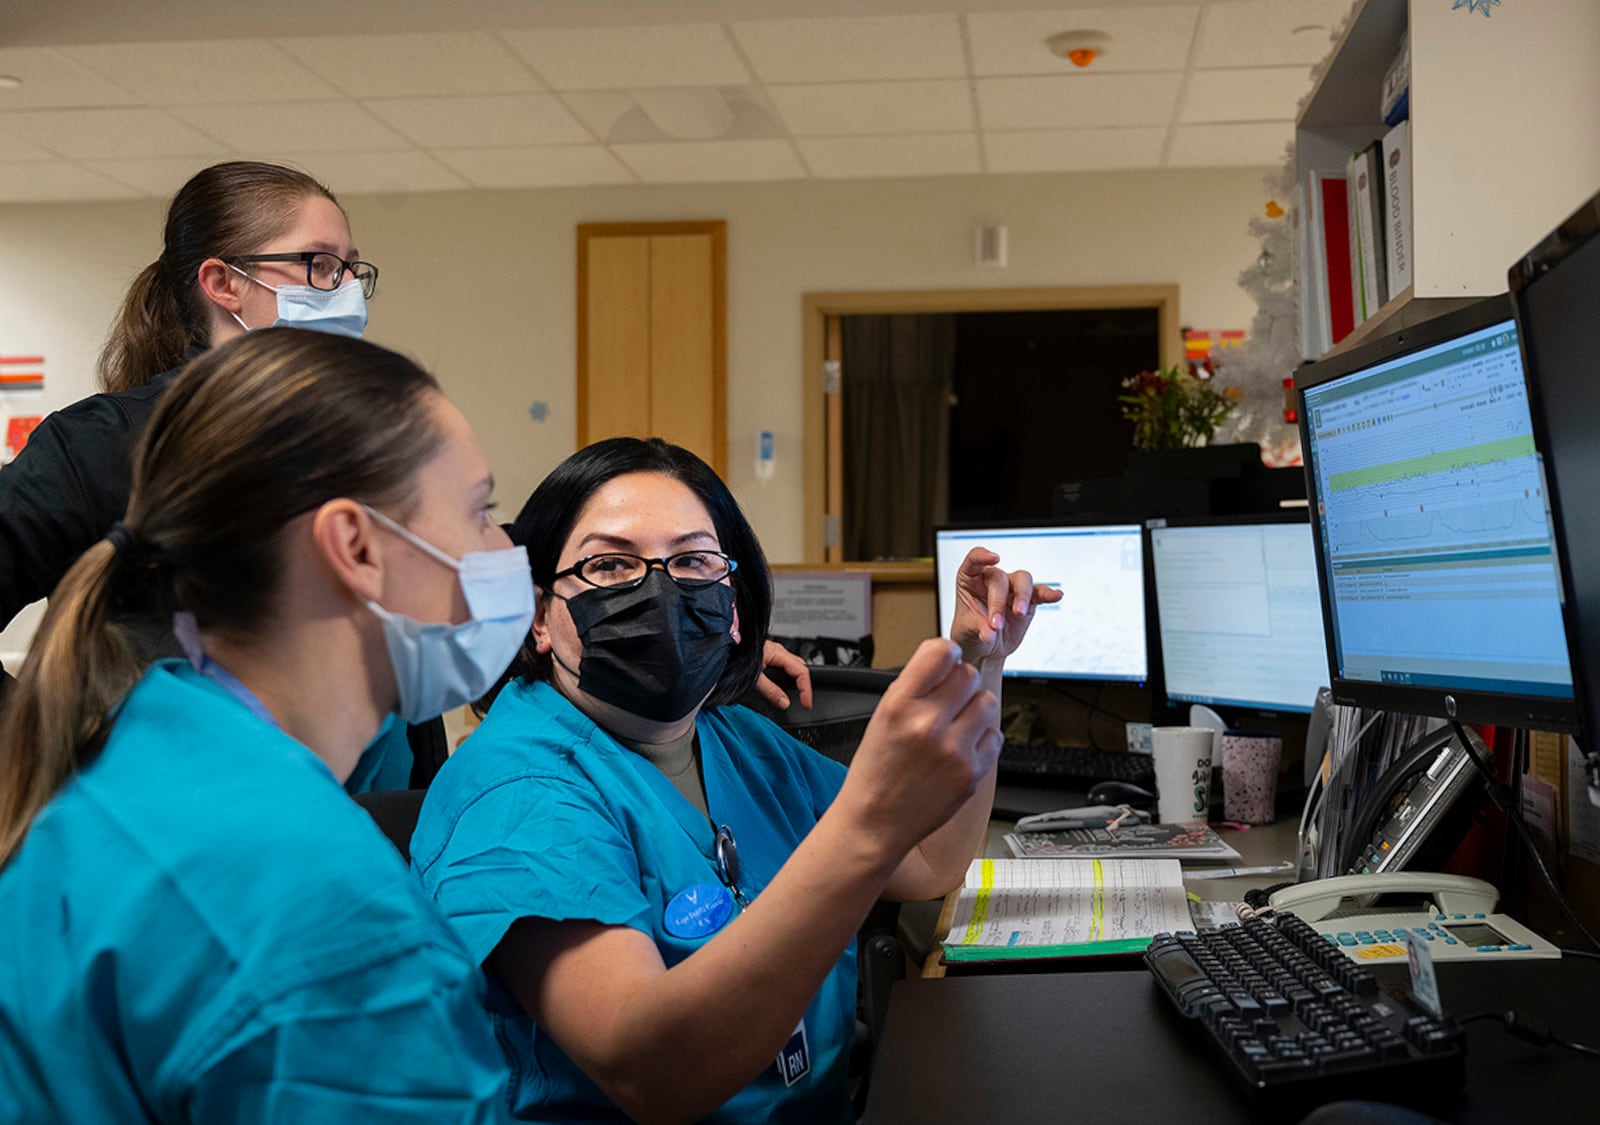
480, 285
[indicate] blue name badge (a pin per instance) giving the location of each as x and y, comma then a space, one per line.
698, 910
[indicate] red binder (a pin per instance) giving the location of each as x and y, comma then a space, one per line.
1336, 245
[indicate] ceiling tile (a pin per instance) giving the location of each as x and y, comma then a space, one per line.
204, 72
1263, 32
1228, 146
620, 58
1075, 150
693, 162
106, 134
493, 120
1141, 39
676, 113
863, 48
944, 154
14, 150
51, 80
340, 126
875, 107
159, 176
352, 173
567, 166
53, 181
1080, 101
385, 66
1266, 93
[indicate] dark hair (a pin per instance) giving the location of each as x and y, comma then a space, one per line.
226, 209
546, 521
252, 434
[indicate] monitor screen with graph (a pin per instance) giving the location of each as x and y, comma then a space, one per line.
1237, 612
1434, 548
1097, 630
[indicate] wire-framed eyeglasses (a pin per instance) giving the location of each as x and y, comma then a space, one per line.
616, 570
324, 270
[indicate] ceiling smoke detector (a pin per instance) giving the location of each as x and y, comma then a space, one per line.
1080, 48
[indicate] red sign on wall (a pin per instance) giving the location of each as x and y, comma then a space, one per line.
18, 430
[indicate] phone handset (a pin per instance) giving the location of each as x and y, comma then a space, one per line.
1452, 894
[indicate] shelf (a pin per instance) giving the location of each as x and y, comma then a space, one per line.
1399, 312
1346, 97
1502, 138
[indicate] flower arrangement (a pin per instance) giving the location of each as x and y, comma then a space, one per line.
1178, 408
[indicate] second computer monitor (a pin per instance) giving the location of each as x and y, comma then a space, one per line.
1434, 545
1097, 630
1238, 613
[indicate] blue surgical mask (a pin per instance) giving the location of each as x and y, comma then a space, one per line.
439, 667
341, 311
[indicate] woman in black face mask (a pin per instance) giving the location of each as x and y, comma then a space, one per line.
669, 887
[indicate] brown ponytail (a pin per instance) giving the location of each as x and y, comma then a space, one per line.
254, 433
79, 665
226, 209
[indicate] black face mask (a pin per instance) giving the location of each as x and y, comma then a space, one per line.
656, 649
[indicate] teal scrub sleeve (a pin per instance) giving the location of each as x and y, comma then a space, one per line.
824, 776
405, 1041
533, 847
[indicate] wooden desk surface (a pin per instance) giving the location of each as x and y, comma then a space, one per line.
1257, 847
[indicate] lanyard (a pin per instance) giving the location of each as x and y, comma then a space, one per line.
235, 687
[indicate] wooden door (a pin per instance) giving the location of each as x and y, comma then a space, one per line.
652, 335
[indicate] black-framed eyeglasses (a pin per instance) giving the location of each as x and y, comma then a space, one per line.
324, 270
618, 571
728, 862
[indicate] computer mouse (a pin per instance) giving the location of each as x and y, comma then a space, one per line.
1120, 793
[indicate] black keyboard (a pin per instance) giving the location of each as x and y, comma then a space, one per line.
1073, 766
1292, 1015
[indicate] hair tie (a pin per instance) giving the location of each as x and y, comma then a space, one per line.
126, 540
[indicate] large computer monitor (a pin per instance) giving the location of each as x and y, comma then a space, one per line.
1238, 614
1557, 292
1097, 630
1434, 548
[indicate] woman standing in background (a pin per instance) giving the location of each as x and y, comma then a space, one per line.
245, 245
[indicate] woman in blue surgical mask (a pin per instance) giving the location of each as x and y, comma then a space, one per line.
665, 887
245, 245
199, 924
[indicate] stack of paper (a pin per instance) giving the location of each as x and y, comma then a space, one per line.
1188, 842
1065, 908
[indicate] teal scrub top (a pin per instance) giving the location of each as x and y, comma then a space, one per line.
202, 926
384, 765
542, 814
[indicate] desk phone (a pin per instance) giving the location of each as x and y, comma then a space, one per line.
1459, 924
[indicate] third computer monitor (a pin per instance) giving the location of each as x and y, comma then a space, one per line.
1557, 288
1434, 545
1238, 613
1097, 630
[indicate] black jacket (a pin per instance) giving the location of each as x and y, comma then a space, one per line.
68, 486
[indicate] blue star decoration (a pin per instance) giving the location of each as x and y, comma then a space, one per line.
539, 411
1476, 6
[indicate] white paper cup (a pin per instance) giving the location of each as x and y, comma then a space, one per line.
1183, 773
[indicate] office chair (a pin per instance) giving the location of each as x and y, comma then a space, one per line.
843, 699
396, 814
